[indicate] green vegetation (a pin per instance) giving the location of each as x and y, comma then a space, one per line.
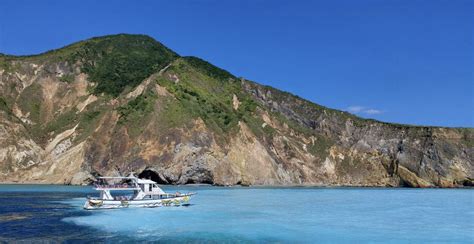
4, 105
174, 115
137, 108
5, 65
298, 128
255, 124
199, 103
133, 114
202, 93
88, 121
208, 69
30, 100
68, 78
116, 62
62, 122
90, 116
320, 147
467, 136
41, 132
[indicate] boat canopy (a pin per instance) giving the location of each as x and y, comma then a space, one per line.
117, 177
131, 177
145, 181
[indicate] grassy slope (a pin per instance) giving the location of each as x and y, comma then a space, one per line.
205, 91
114, 62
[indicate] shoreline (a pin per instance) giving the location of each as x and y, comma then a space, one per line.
258, 186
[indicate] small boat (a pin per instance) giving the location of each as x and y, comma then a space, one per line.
145, 194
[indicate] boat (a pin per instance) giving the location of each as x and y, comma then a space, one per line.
145, 194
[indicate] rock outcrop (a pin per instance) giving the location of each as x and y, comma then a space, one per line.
125, 103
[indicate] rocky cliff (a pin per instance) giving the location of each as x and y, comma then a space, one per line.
125, 103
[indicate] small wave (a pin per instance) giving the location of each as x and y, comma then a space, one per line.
13, 217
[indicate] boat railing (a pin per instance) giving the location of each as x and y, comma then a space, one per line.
115, 186
173, 195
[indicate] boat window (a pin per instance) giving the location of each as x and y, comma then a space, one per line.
150, 187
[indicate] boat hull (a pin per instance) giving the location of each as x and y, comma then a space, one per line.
93, 204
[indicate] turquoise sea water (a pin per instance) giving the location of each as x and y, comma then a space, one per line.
238, 214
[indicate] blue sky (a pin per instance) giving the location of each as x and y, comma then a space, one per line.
399, 61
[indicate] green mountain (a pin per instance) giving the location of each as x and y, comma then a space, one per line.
126, 103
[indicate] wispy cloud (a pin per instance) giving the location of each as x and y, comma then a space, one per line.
355, 109
363, 110
372, 111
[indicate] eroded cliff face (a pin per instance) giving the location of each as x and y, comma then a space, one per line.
190, 122
408, 155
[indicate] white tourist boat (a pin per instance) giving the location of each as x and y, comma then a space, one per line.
146, 194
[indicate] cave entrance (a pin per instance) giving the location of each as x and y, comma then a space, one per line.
152, 175
204, 181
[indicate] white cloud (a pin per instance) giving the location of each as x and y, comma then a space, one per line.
355, 109
363, 110
372, 111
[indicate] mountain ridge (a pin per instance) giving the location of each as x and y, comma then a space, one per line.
81, 42
92, 104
